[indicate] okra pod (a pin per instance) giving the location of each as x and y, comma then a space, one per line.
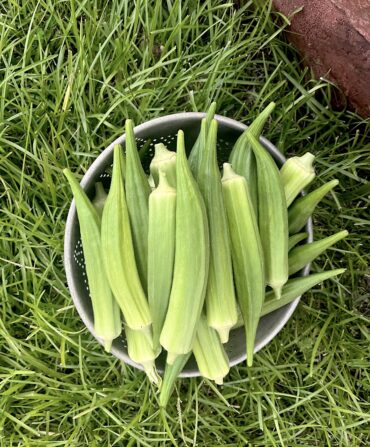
137, 196
107, 321
296, 173
118, 253
166, 161
272, 218
302, 208
209, 353
161, 252
242, 158
220, 296
294, 288
197, 151
304, 254
246, 252
296, 239
191, 262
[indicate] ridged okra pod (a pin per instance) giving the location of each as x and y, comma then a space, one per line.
304, 254
303, 207
140, 350
209, 353
293, 289
242, 158
161, 252
118, 253
296, 287
169, 378
296, 239
197, 151
107, 320
139, 343
272, 218
220, 296
246, 252
191, 262
297, 173
137, 196
164, 160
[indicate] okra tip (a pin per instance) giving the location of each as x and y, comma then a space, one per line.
160, 149
180, 144
171, 357
107, 345
249, 359
307, 160
228, 172
68, 174
223, 333
152, 374
277, 291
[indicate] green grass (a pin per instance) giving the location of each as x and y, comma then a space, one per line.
70, 73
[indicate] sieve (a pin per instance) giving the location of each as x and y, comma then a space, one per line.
164, 130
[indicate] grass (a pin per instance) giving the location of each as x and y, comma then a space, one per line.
70, 73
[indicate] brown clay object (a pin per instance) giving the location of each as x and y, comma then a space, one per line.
334, 38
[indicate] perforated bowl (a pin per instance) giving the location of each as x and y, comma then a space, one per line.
165, 130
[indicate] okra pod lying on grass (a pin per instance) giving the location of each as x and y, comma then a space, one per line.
107, 319
191, 262
220, 295
246, 252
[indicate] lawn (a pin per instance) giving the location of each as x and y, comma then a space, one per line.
71, 72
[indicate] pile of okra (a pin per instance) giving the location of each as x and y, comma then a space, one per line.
179, 259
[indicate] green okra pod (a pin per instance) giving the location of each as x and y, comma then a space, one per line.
242, 158
118, 253
209, 353
137, 196
304, 254
197, 151
296, 287
140, 350
296, 239
272, 217
220, 296
107, 321
191, 262
296, 173
292, 290
169, 378
303, 207
161, 252
164, 160
246, 252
